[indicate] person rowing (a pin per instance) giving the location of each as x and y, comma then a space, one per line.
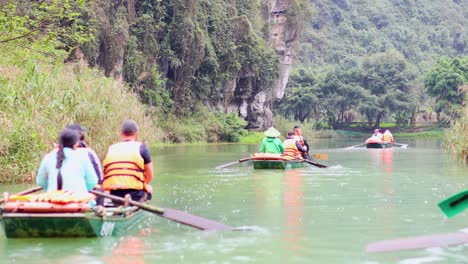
292, 148
377, 137
128, 168
302, 142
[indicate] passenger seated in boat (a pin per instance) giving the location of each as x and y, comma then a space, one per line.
128, 168
377, 137
388, 137
292, 148
302, 142
271, 142
82, 146
93, 157
65, 168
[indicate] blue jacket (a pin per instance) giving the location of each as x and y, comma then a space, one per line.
78, 174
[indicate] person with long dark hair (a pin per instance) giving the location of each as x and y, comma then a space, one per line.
65, 168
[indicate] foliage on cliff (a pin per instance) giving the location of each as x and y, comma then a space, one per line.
178, 53
420, 30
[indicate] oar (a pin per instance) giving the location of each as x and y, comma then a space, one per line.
171, 214
320, 156
437, 240
316, 164
355, 146
402, 145
232, 163
25, 192
455, 204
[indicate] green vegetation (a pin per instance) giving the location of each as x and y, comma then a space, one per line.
39, 96
178, 53
345, 30
382, 63
203, 126
456, 138
375, 88
447, 82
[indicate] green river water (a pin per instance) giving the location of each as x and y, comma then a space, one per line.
307, 215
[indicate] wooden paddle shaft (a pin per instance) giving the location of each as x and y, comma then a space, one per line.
172, 214
131, 202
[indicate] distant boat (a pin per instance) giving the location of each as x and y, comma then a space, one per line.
371, 143
275, 161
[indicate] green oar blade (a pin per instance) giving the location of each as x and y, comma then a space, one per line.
455, 204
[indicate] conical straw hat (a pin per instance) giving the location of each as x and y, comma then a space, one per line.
272, 132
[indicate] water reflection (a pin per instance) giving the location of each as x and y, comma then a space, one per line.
382, 159
293, 203
279, 197
131, 250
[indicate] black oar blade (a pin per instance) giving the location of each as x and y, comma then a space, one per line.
194, 221
437, 240
455, 204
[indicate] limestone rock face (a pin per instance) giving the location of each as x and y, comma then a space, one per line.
241, 94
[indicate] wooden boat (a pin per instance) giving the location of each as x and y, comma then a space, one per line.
54, 220
377, 144
275, 161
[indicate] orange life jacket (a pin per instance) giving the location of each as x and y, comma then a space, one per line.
300, 139
124, 167
290, 149
388, 137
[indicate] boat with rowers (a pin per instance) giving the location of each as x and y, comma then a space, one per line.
275, 161
23, 218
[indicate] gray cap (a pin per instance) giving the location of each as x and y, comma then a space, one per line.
129, 127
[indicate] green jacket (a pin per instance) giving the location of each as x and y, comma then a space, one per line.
271, 145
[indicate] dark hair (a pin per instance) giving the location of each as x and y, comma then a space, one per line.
67, 139
79, 129
290, 134
129, 127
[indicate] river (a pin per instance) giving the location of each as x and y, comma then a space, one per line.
307, 215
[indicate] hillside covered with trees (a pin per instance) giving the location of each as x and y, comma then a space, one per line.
380, 61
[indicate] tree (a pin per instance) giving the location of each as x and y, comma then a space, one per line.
386, 78
445, 82
50, 25
340, 93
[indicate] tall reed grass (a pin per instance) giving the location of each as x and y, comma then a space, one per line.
456, 138
40, 95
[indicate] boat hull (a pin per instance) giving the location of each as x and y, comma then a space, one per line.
27, 225
278, 164
378, 145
